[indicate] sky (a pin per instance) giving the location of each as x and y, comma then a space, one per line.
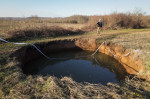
65, 8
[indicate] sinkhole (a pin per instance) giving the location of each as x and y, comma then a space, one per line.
80, 65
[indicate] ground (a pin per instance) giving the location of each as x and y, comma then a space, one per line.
15, 84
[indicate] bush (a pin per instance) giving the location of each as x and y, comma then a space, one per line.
118, 20
76, 19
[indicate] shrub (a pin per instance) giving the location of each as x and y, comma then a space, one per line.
118, 20
76, 19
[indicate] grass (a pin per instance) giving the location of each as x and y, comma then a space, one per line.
138, 42
14, 84
135, 40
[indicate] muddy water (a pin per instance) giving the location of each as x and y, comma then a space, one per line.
79, 65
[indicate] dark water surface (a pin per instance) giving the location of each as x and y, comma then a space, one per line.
79, 65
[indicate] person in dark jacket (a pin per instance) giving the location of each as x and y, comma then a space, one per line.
99, 26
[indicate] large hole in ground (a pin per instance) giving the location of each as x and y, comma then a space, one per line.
80, 65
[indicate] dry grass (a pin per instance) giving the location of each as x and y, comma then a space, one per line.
42, 32
119, 20
19, 86
139, 43
7, 26
112, 21
14, 84
136, 41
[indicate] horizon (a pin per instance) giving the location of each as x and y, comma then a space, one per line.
67, 8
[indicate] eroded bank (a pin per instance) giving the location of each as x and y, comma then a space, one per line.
131, 64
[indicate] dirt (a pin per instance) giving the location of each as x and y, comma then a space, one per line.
15, 84
131, 64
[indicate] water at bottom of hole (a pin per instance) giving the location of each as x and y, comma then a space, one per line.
79, 65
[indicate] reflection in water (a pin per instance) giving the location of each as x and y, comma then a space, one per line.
80, 66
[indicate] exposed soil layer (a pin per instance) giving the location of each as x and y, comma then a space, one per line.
131, 64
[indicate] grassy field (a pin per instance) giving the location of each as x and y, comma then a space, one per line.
14, 84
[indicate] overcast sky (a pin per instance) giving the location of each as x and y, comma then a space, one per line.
64, 8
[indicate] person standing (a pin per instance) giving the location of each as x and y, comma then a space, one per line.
99, 26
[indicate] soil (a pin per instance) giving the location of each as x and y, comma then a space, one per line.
131, 64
